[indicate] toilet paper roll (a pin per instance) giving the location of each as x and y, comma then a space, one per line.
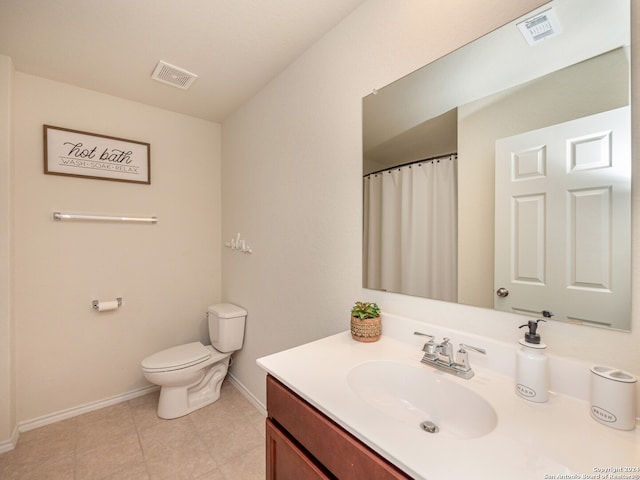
105, 306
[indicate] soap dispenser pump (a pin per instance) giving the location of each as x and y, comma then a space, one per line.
532, 373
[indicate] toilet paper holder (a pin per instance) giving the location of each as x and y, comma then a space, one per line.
95, 304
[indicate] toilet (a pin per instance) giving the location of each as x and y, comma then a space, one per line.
190, 375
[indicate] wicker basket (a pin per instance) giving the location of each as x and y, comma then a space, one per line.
367, 330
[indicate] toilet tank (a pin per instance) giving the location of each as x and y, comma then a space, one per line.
226, 326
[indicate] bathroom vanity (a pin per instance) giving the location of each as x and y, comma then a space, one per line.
344, 409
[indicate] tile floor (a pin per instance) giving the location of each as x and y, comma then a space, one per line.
127, 441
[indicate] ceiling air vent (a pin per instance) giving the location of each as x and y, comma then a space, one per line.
540, 27
172, 75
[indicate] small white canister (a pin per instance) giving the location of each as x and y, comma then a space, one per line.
613, 397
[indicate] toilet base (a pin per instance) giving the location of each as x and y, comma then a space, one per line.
179, 401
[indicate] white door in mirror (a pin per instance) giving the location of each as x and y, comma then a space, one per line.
573, 261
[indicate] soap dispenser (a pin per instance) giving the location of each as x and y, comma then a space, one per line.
532, 374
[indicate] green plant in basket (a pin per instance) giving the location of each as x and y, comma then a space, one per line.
364, 310
366, 325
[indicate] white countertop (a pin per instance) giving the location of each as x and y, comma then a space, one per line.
530, 440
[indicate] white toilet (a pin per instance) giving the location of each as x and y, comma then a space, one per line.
190, 375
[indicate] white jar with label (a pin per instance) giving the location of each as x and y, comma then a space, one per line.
613, 397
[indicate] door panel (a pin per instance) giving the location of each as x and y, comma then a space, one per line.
563, 220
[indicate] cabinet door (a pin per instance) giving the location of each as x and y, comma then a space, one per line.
285, 461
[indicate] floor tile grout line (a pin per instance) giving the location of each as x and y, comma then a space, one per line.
75, 448
137, 427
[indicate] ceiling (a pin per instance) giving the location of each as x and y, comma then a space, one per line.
113, 46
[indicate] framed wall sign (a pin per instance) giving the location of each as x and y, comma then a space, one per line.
89, 155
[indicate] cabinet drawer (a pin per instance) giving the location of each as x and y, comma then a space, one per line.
339, 451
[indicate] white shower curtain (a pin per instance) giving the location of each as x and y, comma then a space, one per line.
410, 229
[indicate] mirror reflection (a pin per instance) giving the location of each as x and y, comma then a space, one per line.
500, 175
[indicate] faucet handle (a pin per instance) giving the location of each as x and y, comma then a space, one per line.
464, 347
423, 335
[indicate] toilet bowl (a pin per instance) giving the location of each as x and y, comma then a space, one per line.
190, 376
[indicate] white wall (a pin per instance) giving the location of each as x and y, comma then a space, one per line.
167, 274
292, 186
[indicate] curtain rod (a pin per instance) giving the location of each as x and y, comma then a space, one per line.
430, 159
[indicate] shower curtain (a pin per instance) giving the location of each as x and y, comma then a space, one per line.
410, 229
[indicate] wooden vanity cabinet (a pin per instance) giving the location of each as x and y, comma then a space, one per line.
303, 444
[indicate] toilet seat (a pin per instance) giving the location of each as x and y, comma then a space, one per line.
177, 358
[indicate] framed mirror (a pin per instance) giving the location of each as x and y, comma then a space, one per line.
500, 175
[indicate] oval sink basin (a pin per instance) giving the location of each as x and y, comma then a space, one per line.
414, 395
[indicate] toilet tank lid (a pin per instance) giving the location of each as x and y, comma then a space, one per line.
227, 310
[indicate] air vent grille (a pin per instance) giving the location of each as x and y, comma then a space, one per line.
541, 27
172, 75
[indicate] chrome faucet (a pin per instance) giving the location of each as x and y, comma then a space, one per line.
444, 352
441, 356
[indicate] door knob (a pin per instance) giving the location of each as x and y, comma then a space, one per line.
502, 292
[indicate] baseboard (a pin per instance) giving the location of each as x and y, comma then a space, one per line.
27, 425
10, 444
256, 403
